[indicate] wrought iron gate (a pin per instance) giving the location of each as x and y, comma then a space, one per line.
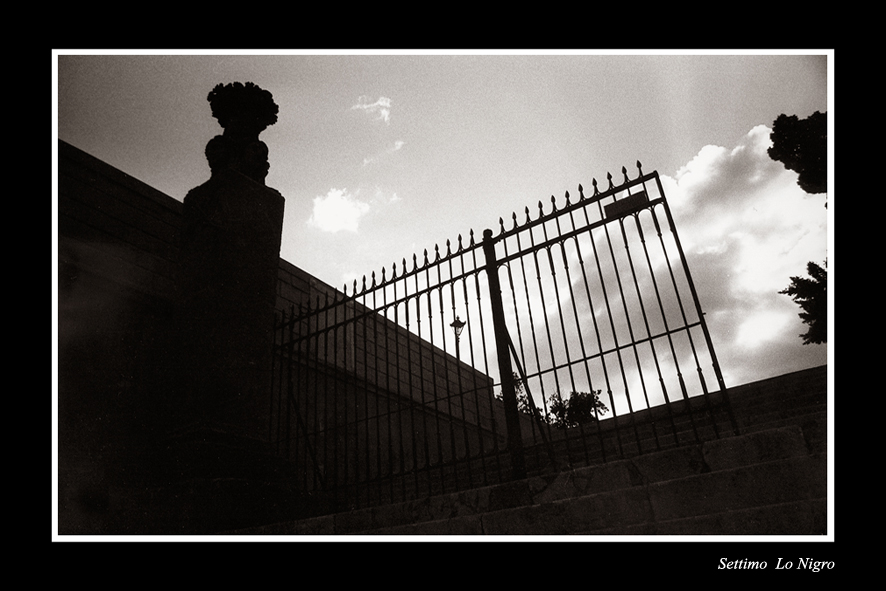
379, 398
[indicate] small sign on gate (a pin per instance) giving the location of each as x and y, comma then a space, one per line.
629, 204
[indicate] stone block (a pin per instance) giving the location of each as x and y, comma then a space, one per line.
602, 478
572, 516
797, 518
462, 526
669, 464
753, 448
781, 481
353, 521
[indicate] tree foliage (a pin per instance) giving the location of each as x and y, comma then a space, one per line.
811, 294
578, 408
801, 145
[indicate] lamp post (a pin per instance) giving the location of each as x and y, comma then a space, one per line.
457, 326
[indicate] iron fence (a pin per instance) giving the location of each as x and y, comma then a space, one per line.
581, 340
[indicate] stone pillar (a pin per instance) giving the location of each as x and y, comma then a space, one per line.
230, 252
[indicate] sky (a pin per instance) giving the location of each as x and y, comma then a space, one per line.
382, 155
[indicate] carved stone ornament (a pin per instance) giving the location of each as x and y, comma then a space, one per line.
244, 111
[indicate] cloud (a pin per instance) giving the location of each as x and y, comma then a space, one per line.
396, 147
382, 197
337, 210
744, 215
719, 180
746, 228
380, 109
761, 327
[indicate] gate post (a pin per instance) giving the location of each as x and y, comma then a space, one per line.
502, 350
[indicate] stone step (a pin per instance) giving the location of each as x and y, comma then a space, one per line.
495, 467
814, 425
761, 408
651, 486
692, 504
796, 518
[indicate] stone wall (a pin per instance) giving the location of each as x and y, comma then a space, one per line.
118, 277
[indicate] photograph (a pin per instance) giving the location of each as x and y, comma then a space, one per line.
444, 295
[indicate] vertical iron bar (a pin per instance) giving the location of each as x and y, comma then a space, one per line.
345, 389
533, 410
458, 383
645, 323
579, 329
276, 382
396, 397
558, 388
332, 335
596, 327
490, 394
302, 379
521, 362
434, 387
367, 319
290, 346
474, 387
512, 420
582, 442
544, 401
704, 325
421, 380
319, 436
302, 452
386, 393
333, 472
680, 377
627, 319
273, 385
661, 380
412, 426
581, 263
377, 388
309, 453
446, 388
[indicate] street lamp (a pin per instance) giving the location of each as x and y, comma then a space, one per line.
457, 326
